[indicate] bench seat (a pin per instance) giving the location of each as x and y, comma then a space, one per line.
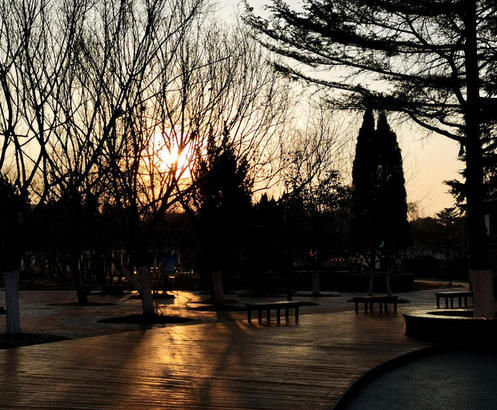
369, 301
451, 294
260, 307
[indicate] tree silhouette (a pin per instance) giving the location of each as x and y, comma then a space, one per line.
223, 196
433, 61
13, 210
379, 206
391, 203
266, 241
66, 227
489, 164
364, 189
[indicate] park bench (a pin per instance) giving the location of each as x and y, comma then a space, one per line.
260, 307
450, 295
369, 301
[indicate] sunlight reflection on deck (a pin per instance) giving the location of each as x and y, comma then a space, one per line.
224, 365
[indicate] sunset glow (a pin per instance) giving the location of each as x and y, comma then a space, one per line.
168, 155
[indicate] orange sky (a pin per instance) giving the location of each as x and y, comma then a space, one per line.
428, 161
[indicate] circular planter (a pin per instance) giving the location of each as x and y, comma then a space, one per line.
449, 325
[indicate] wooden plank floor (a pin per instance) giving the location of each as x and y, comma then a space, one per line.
221, 365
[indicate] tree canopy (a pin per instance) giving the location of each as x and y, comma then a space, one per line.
364, 181
408, 56
433, 61
379, 206
392, 203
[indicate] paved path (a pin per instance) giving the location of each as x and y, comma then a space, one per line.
455, 378
54, 312
216, 365
221, 363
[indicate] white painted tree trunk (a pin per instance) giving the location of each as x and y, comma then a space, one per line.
142, 282
145, 288
483, 291
11, 280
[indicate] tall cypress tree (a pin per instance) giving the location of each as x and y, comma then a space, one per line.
379, 205
364, 186
391, 203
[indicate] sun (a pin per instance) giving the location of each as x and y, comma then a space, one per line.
168, 155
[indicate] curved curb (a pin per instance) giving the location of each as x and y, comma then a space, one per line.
448, 324
367, 377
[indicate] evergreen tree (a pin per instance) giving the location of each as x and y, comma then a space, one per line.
391, 203
13, 208
224, 190
489, 165
364, 186
379, 206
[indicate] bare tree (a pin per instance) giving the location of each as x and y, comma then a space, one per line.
37, 40
202, 82
125, 51
313, 155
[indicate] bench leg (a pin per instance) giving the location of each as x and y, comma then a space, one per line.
259, 313
268, 315
446, 302
278, 316
249, 316
386, 306
465, 301
356, 306
438, 301
395, 307
365, 307
297, 314
286, 314
460, 301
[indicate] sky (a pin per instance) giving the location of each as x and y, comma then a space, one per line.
429, 159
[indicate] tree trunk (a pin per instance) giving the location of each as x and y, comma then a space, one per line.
81, 290
217, 283
315, 282
141, 282
484, 303
11, 280
145, 289
478, 244
372, 268
388, 280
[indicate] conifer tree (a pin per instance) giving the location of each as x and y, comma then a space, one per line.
364, 172
224, 190
391, 202
379, 205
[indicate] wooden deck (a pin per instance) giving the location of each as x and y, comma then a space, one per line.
222, 365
